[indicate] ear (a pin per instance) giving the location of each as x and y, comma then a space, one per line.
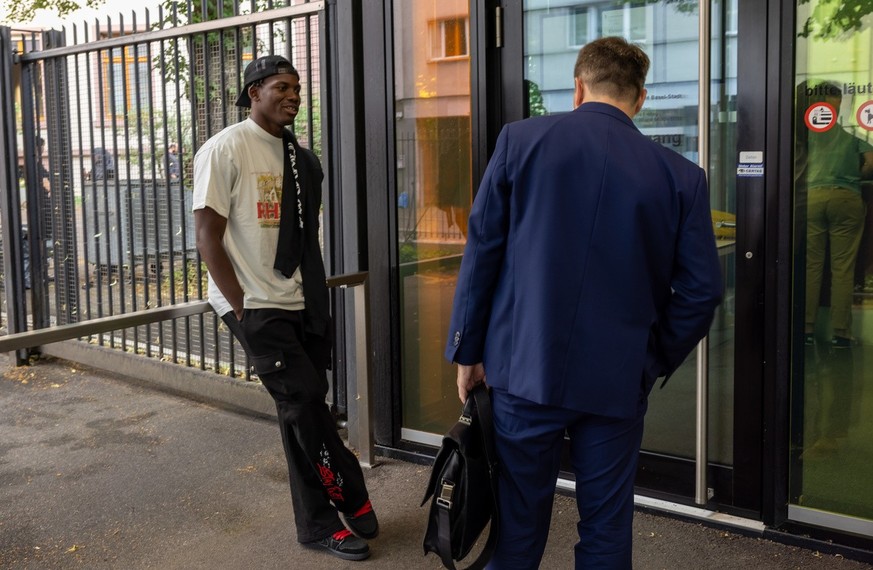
253, 91
642, 99
578, 93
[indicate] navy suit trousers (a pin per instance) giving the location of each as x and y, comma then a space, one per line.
603, 451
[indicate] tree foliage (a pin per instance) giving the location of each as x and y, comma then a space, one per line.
25, 11
684, 6
833, 19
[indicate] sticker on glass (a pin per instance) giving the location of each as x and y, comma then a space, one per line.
865, 116
820, 117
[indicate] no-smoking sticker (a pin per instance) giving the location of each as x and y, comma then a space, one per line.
865, 115
820, 117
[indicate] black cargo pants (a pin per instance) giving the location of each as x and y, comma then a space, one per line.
325, 476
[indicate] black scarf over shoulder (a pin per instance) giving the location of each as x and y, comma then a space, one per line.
298, 244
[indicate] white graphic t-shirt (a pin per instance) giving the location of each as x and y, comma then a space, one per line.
238, 173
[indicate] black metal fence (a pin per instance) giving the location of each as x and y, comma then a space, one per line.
99, 131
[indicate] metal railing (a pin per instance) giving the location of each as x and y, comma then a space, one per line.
359, 424
94, 223
97, 229
39, 337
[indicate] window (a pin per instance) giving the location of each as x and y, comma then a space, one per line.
629, 20
125, 79
579, 27
449, 39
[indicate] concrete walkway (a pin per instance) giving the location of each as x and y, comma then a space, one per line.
103, 472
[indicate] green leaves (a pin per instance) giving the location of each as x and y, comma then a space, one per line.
24, 12
834, 19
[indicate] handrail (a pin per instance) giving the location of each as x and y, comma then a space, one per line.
347, 280
48, 335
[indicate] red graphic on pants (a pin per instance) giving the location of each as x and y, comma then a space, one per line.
332, 482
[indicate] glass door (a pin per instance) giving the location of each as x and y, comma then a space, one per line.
832, 400
433, 145
445, 53
552, 32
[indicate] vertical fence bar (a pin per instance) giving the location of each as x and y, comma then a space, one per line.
101, 193
310, 87
165, 132
177, 109
85, 310
116, 280
10, 203
94, 234
161, 205
38, 295
65, 226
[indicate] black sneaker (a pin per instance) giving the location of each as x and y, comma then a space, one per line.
809, 339
363, 523
343, 544
841, 342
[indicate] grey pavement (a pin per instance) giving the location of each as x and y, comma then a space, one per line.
98, 471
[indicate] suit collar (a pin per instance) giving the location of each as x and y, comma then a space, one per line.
605, 109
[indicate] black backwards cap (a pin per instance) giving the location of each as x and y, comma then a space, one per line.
262, 68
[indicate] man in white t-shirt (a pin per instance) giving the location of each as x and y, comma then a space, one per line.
257, 195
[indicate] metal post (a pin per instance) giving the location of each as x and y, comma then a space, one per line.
10, 203
360, 423
701, 459
362, 380
39, 302
60, 214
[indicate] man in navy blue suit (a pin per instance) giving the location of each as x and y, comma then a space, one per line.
590, 270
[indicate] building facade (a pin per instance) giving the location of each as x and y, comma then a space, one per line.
766, 426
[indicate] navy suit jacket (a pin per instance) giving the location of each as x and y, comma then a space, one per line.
590, 267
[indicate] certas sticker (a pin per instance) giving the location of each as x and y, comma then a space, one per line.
751, 164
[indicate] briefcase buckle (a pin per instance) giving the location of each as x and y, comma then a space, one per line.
446, 492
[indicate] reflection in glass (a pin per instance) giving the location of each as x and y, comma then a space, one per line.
668, 32
434, 193
433, 141
832, 430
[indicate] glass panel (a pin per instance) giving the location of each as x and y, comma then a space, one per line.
832, 437
668, 32
434, 193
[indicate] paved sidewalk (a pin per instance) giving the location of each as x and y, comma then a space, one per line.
101, 472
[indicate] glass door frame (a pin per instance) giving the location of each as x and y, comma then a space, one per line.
772, 232
378, 211
815, 523
738, 489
